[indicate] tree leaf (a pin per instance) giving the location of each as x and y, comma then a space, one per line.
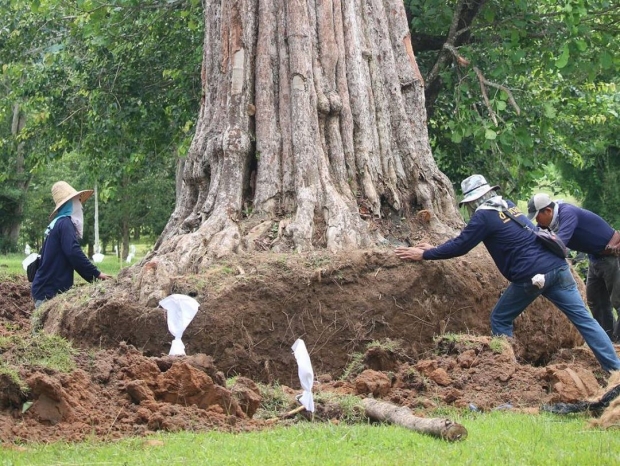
562, 61
550, 112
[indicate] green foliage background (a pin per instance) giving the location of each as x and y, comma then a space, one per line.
560, 62
110, 92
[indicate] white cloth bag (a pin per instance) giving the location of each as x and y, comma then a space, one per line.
180, 310
306, 374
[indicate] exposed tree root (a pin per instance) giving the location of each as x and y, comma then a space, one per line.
401, 416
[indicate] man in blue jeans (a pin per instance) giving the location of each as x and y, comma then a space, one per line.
584, 231
532, 269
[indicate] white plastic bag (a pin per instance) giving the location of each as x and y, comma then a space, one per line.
306, 374
28, 260
180, 310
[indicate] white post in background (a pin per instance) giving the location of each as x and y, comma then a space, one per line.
97, 256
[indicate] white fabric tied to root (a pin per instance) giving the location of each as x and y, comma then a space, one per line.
306, 374
180, 310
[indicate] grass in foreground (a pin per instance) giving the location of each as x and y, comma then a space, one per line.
494, 438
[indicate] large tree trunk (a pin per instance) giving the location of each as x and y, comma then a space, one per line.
313, 120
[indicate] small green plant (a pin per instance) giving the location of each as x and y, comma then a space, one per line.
448, 337
226, 270
346, 408
498, 344
11, 326
356, 366
274, 401
317, 261
12, 374
388, 344
230, 382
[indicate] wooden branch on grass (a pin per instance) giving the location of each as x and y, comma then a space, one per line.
287, 415
387, 412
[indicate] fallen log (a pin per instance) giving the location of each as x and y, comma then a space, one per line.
399, 415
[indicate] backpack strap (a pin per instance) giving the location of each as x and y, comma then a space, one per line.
516, 219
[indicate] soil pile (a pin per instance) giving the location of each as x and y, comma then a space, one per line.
412, 334
254, 306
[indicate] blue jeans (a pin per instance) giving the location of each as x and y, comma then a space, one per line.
560, 288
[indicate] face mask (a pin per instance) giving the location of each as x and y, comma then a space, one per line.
77, 217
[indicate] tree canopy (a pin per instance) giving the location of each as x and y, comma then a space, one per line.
517, 88
106, 82
525, 92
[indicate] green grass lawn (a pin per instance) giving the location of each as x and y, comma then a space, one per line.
498, 438
11, 264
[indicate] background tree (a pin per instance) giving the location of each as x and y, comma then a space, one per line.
515, 88
106, 84
22, 39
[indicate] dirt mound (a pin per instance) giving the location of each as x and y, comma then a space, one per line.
373, 325
254, 306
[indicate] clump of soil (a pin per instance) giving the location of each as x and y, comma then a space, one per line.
410, 333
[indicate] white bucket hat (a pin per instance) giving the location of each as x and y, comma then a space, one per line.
474, 187
63, 191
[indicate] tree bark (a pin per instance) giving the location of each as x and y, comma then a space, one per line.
312, 120
386, 412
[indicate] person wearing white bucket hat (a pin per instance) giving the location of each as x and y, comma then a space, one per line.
531, 268
61, 253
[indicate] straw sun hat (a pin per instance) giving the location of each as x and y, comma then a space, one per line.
63, 191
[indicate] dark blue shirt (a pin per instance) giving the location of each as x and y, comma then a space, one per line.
60, 257
582, 230
515, 250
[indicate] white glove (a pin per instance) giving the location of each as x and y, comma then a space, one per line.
538, 280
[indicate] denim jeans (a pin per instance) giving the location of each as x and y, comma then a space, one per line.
603, 293
560, 288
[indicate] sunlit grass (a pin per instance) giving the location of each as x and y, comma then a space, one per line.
494, 439
11, 264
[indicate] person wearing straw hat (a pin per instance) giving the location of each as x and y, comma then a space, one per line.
531, 268
584, 231
61, 254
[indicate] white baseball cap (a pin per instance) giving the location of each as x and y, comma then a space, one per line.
537, 203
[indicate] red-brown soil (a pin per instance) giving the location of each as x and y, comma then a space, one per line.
421, 328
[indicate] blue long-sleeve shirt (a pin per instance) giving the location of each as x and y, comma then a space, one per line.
515, 250
60, 257
582, 230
